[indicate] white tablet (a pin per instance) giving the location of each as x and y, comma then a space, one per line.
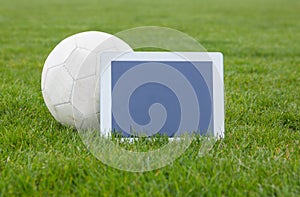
162, 93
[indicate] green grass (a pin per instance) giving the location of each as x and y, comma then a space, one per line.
260, 155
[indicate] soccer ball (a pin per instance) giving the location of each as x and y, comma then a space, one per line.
70, 77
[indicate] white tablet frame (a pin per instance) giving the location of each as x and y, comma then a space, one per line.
218, 82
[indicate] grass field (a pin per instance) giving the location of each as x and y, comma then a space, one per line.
260, 154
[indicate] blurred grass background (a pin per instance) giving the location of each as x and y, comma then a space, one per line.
260, 154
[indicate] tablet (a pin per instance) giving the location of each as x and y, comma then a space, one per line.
144, 94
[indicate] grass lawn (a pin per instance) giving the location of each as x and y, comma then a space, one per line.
260, 155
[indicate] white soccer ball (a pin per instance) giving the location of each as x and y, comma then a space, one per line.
71, 74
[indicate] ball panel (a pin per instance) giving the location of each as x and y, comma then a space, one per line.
90, 65
75, 60
58, 85
90, 40
84, 94
107, 45
65, 114
90, 122
98, 52
97, 95
49, 105
44, 74
120, 45
61, 52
